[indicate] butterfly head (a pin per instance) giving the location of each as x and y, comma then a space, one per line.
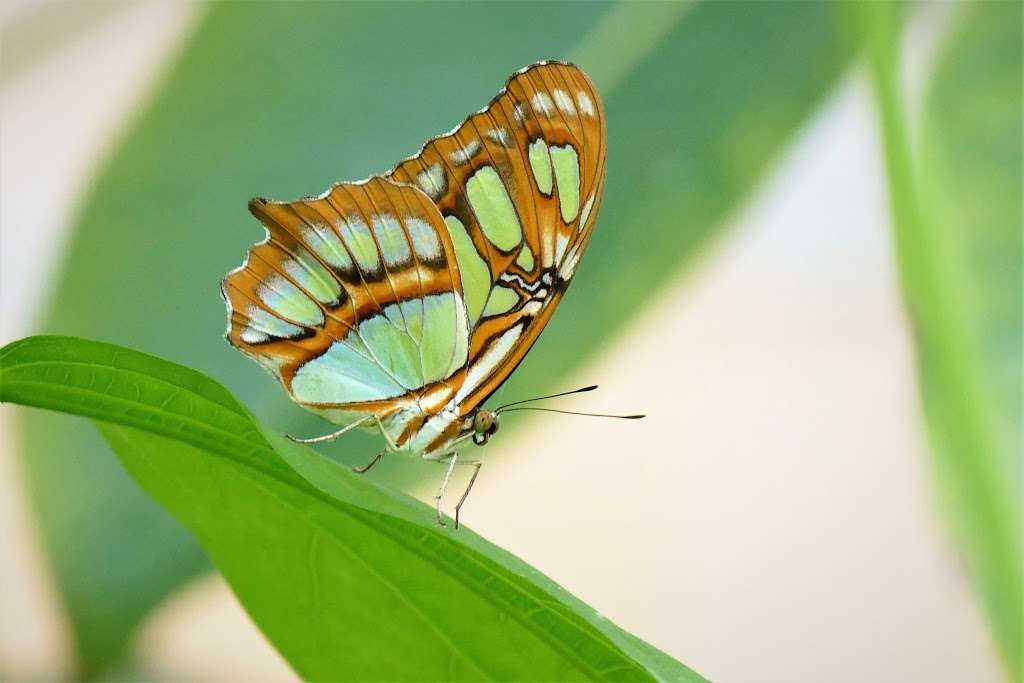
485, 424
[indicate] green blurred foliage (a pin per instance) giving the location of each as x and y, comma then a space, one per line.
339, 572
971, 166
971, 180
955, 190
282, 100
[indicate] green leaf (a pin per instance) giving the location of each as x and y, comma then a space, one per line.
349, 580
956, 207
971, 165
282, 100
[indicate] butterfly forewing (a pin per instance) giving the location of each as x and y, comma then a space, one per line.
518, 185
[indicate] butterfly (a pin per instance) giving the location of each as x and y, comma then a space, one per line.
400, 303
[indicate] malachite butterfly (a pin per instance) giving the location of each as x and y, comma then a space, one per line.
400, 303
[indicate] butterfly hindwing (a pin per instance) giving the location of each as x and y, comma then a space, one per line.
354, 299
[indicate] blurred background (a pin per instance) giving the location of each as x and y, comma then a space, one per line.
801, 503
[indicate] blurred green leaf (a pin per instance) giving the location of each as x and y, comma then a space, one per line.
349, 580
957, 218
281, 100
971, 166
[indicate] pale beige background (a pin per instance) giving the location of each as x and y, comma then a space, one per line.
772, 519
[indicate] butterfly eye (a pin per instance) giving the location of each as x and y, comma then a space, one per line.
483, 422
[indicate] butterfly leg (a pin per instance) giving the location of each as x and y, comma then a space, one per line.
366, 468
329, 437
469, 487
444, 484
384, 433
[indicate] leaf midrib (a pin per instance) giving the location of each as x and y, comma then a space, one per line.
34, 363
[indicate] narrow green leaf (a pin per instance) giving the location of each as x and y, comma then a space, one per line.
282, 100
349, 580
957, 218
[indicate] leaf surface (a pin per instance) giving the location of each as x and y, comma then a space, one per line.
348, 579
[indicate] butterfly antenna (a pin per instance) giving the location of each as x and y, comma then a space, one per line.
571, 412
542, 398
